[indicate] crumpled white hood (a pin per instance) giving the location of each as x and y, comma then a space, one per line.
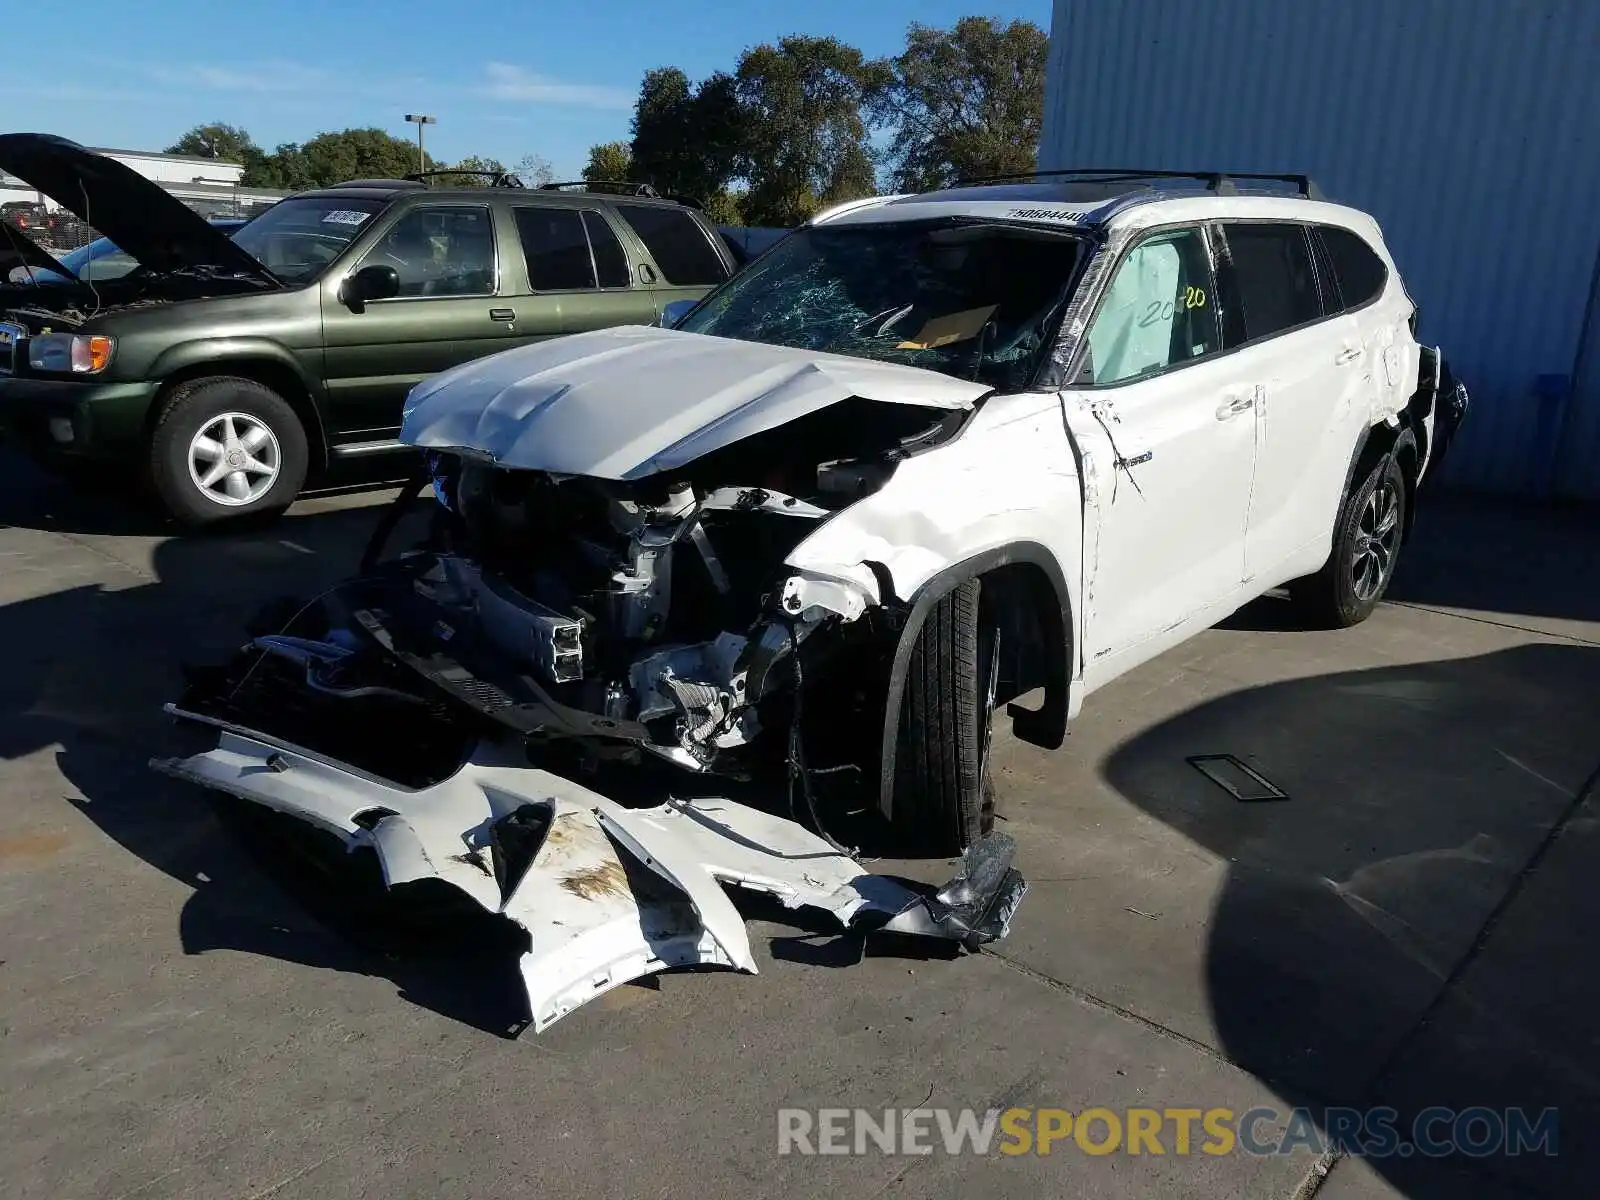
628, 402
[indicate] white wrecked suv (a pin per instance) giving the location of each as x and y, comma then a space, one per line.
928, 457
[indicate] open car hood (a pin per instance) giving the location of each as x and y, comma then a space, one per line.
629, 402
136, 213
17, 249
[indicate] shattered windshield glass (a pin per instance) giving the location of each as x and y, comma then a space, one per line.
974, 300
295, 239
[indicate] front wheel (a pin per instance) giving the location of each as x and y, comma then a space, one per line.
943, 798
227, 447
1366, 545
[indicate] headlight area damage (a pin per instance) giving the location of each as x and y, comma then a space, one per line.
436, 708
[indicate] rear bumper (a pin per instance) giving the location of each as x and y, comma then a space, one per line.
55, 418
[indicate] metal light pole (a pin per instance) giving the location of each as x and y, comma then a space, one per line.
419, 120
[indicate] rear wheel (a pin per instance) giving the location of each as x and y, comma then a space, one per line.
1366, 545
226, 447
943, 797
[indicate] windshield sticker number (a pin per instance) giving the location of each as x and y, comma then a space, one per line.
345, 216
1192, 297
1045, 214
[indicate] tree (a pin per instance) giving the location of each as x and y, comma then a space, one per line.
965, 102
804, 140
686, 139
476, 172
534, 170
609, 160
331, 158
223, 143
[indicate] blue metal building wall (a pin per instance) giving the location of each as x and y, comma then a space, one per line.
1469, 128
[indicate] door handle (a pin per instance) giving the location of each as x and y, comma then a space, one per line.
1348, 355
502, 314
646, 274
1235, 405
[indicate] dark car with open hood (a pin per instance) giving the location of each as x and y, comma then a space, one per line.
231, 369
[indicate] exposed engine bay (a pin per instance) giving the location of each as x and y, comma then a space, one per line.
615, 618
69, 304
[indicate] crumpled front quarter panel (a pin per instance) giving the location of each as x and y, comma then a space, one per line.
1009, 477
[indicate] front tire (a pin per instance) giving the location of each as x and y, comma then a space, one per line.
943, 797
224, 448
1366, 546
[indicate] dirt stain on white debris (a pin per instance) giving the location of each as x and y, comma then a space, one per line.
597, 882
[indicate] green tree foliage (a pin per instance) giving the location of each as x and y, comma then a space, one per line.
685, 138
609, 160
331, 158
964, 102
476, 172
224, 143
804, 139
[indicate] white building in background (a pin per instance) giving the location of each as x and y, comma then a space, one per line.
210, 187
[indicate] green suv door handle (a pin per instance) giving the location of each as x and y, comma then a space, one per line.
502, 314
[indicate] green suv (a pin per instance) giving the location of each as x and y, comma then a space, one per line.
230, 368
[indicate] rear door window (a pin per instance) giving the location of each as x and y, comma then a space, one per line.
677, 242
610, 263
1274, 285
556, 249
570, 250
1360, 273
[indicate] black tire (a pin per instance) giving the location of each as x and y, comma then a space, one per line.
942, 799
196, 405
1362, 562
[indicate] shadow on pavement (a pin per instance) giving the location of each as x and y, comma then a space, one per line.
1503, 556
1413, 925
88, 669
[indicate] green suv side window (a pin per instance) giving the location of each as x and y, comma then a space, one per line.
444, 251
570, 249
677, 242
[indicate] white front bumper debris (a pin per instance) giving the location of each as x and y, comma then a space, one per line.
612, 893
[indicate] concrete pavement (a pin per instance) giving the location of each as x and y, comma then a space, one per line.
182, 1016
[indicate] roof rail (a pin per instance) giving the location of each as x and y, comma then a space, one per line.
1221, 182
625, 188
379, 183
496, 178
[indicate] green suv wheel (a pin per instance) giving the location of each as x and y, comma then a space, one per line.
226, 447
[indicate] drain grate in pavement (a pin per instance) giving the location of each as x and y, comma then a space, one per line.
1239, 780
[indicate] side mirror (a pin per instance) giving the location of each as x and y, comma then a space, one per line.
377, 282
675, 312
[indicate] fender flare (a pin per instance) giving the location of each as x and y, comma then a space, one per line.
1046, 726
219, 352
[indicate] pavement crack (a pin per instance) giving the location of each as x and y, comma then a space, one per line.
1088, 998
1390, 1063
1461, 616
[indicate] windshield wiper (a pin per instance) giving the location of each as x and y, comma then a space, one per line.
882, 320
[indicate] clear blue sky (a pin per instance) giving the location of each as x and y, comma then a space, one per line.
543, 77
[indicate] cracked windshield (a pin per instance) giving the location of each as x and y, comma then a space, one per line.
975, 301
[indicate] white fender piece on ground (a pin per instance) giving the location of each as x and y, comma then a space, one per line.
610, 893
